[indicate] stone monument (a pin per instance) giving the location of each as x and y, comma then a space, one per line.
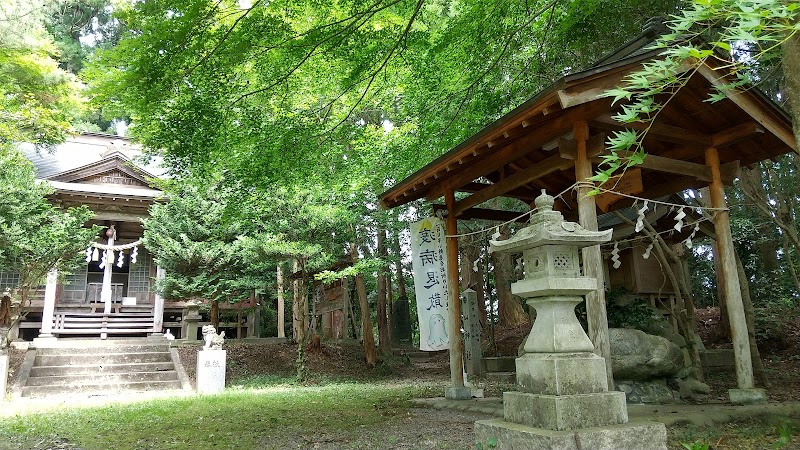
472, 333
563, 400
401, 323
211, 362
190, 319
4, 362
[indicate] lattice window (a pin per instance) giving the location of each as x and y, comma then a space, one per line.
74, 288
562, 261
8, 280
139, 275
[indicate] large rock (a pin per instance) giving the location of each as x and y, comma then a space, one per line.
636, 355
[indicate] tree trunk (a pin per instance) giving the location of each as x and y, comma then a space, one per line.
398, 268
281, 311
789, 261
674, 270
473, 279
791, 71
300, 303
509, 310
366, 321
749, 314
383, 325
214, 314
389, 305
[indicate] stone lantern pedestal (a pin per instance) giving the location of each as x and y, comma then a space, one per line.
563, 400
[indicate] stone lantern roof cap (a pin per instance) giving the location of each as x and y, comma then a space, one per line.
548, 227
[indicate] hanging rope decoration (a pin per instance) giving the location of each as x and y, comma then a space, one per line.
107, 258
688, 240
648, 205
640, 217
646, 254
615, 256
679, 220
92, 253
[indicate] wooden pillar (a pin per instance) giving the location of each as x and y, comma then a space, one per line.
158, 306
281, 311
592, 259
454, 300
49, 304
108, 257
733, 292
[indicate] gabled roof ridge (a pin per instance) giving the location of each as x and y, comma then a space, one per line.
111, 155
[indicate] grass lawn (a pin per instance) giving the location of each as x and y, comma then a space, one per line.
772, 432
277, 416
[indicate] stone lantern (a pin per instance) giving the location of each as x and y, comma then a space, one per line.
563, 398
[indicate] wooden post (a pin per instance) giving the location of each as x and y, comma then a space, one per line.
733, 292
592, 259
281, 310
158, 306
49, 305
454, 300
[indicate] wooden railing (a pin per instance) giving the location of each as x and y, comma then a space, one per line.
127, 321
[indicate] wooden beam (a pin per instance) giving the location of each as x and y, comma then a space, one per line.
748, 104
674, 185
523, 194
535, 138
486, 214
735, 134
658, 131
568, 148
668, 165
548, 166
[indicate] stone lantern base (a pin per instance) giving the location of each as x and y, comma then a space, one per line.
567, 405
631, 435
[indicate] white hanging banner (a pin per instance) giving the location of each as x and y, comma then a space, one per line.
429, 262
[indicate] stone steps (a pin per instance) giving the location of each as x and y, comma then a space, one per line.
504, 377
71, 380
417, 355
50, 371
499, 364
101, 359
100, 367
100, 389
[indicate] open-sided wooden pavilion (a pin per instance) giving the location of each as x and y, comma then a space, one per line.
554, 139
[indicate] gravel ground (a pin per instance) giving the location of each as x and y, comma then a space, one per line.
420, 428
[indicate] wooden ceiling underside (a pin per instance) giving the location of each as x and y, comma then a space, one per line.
531, 149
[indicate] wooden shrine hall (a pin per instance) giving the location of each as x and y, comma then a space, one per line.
556, 138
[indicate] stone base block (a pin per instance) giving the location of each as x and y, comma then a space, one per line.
747, 396
462, 393
629, 436
561, 373
565, 412
4, 362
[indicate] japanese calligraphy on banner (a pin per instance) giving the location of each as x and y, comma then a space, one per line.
430, 282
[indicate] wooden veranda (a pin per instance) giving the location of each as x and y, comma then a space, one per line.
554, 139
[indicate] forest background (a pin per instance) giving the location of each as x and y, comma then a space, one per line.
282, 121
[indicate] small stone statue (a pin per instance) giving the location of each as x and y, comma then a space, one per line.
213, 340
